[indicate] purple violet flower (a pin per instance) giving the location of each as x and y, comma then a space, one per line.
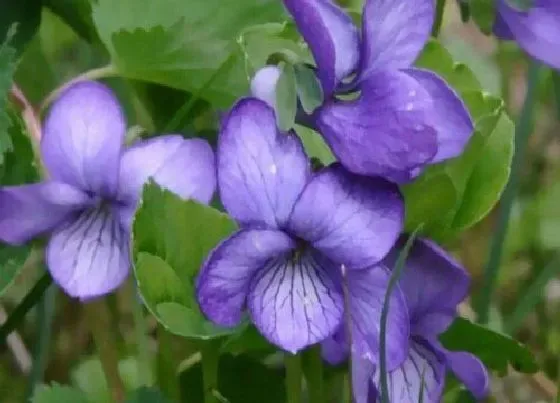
537, 31
89, 200
298, 228
433, 284
403, 118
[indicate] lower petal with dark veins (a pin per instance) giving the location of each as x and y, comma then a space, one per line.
295, 301
89, 257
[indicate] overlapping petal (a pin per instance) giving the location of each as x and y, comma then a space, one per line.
225, 278
89, 257
82, 138
367, 289
432, 307
450, 117
423, 366
261, 171
393, 33
331, 36
30, 210
387, 131
537, 31
501, 29
470, 371
363, 389
185, 167
335, 349
354, 220
296, 300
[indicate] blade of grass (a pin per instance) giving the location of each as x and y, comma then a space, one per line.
29, 301
532, 295
397, 272
45, 314
522, 133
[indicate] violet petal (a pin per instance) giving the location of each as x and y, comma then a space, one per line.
89, 257
387, 131
393, 33
331, 36
30, 210
352, 219
225, 277
261, 171
83, 136
294, 300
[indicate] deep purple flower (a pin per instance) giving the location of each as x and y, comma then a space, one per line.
298, 228
403, 118
433, 284
537, 30
88, 202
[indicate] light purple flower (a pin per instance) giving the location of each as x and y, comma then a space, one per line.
298, 228
433, 284
537, 30
403, 118
89, 200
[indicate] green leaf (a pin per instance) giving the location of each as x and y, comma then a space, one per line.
286, 98
495, 350
171, 239
454, 195
76, 13
25, 15
429, 196
309, 88
7, 68
88, 376
249, 340
315, 145
483, 12
240, 380
437, 58
182, 44
146, 395
56, 393
271, 43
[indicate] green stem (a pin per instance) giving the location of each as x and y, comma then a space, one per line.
98, 317
313, 368
45, 314
397, 272
522, 133
93, 74
142, 340
210, 352
166, 365
440, 9
293, 378
28, 302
